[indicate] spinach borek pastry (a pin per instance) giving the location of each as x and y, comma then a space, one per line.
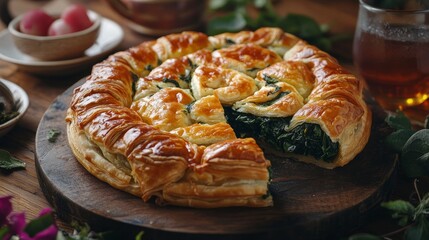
176, 119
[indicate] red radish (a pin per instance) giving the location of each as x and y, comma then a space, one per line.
59, 27
73, 19
36, 22
76, 17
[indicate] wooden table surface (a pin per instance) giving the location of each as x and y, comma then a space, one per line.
20, 142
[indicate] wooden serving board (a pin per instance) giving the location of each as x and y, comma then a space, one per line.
309, 202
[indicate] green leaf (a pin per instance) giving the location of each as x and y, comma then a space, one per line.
229, 23
397, 139
37, 225
218, 4
401, 210
322, 43
398, 121
364, 236
7, 162
260, 3
418, 231
264, 19
302, 26
140, 235
415, 154
53, 135
3, 231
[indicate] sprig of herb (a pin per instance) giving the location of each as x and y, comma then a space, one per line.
7, 162
413, 220
237, 19
413, 149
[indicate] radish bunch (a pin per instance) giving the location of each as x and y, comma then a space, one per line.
73, 19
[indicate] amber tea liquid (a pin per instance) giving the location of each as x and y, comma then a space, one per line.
394, 63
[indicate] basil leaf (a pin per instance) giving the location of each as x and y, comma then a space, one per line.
415, 154
232, 22
364, 236
398, 121
419, 231
401, 210
397, 139
7, 162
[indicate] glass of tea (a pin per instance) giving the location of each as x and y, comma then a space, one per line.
391, 51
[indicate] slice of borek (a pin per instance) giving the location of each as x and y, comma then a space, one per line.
314, 123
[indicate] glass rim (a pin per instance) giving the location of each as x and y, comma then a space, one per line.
376, 9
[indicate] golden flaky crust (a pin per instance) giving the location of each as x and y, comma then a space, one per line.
150, 120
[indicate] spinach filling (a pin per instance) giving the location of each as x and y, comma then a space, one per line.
229, 41
135, 78
172, 81
309, 139
270, 80
305, 139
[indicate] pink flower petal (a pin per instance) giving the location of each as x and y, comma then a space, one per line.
49, 233
17, 223
5, 209
23, 236
45, 211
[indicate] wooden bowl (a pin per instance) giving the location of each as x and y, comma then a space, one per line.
52, 48
160, 17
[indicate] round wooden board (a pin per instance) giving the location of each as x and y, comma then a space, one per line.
309, 202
